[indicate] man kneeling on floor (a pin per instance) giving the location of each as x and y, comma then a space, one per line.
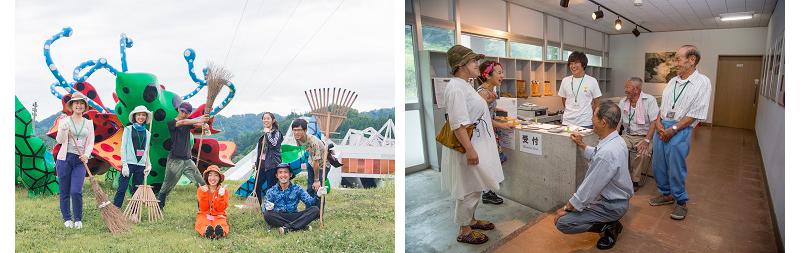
602, 198
280, 204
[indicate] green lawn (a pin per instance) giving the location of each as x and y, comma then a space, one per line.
356, 220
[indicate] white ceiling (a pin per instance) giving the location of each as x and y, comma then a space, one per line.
657, 15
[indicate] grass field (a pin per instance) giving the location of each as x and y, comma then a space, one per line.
356, 220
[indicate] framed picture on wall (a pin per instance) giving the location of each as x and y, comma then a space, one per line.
776, 65
767, 73
659, 67
762, 83
779, 91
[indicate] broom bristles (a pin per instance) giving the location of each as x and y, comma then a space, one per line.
252, 203
217, 77
113, 217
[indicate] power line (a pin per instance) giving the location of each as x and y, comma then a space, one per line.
258, 14
270, 47
298, 53
235, 32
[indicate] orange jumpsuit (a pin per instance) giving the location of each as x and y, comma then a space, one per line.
217, 213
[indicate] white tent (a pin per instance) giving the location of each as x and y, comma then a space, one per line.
243, 168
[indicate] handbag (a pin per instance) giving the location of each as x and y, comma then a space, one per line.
448, 138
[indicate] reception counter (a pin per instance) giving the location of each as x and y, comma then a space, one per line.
543, 169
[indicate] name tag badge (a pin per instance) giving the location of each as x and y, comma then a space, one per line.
576, 106
139, 152
79, 143
263, 156
671, 114
209, 217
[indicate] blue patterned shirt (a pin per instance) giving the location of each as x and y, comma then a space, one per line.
286, 200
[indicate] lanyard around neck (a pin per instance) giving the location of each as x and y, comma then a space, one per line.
139, 135
76, 129
572, 85
630, 116
675, 99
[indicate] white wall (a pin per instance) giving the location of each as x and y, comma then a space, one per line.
627, 53
770, 130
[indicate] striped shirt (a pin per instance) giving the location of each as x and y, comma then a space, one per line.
650, 109
693, 102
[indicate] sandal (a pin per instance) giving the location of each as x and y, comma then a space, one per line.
483, 225
473, 238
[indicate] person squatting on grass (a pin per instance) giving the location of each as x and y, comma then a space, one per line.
466, 175
135, 144
270, 157
70, 165
212, 222
180, 156
603, 196
280, 204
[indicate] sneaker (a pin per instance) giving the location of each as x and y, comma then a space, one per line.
635, 187
491, 197
78, 225
309, 228
69, 224
219, 232
209, 232
679, 213
660, 201
282, 230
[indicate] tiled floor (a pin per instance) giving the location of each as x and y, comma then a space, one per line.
728, 209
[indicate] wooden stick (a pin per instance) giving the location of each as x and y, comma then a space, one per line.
324, 165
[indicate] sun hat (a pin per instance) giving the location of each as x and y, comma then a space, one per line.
139, 109
459, 55
213, 168
76, 96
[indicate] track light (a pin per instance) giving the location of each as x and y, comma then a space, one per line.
565, 3
636, 31
597, 14
618, 24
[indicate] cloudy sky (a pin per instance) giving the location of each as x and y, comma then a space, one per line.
352, 50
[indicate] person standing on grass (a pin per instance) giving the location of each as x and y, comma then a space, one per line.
491, 76
179, 161
466, 175
680, 113
133, 150
603, 196
315, 149
269, 152
70, 162
280, 204
212, 221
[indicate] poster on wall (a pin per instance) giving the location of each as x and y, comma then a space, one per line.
659, 67
779, 90
439, 85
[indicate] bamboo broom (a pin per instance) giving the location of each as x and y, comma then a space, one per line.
144, 195
252, 200
115, 220
217, 77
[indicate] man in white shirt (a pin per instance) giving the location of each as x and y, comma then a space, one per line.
602, 198
639, 111
683, 104
579, 93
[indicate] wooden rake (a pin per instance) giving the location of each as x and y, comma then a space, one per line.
330, 107
144, 199
113, 217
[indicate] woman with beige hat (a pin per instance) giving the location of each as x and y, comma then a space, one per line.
466, 175
134, 146
69, 167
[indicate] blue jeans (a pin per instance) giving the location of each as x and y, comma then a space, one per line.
310, 189
265, 177
71, 173
669, 163
137, 172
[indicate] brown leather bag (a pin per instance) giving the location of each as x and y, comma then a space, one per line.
447, 137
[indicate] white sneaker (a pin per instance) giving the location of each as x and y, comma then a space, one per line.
69, 224
78, 225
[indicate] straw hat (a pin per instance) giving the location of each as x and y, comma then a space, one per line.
76, 96
139, 109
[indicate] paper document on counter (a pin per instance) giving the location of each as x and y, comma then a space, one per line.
506, 138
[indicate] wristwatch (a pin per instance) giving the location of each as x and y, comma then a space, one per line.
566, 210
674, 127
647, 140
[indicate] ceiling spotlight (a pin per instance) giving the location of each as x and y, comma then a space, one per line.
597, 14
618, 24
636, 31
565, 3
736, 16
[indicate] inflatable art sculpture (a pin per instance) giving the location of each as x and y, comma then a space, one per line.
131, 90
32, 168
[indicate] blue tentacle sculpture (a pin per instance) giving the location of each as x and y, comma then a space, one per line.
190, 55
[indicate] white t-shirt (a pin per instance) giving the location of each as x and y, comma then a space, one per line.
578, 109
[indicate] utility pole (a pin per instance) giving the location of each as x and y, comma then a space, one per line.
33, 122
